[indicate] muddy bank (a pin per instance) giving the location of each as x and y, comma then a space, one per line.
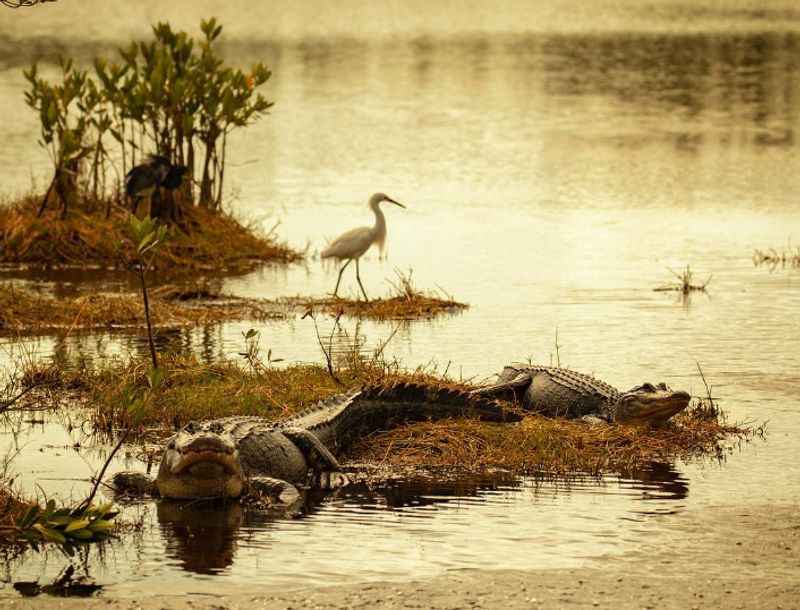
723, 557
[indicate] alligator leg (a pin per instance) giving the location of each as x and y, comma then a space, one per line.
510, 383
282, 491
323, 464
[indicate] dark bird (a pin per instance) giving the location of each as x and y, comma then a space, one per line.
144, 180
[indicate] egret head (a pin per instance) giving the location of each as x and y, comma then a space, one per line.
376, 199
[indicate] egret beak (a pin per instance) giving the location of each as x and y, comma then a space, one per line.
396, 202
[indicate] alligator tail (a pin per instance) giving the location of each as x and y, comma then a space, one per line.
344, 419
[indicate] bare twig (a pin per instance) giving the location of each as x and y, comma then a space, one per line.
326, 352
5, 406
88, 501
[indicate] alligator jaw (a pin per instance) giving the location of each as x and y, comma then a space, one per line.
195, 460
650, 408
200, 464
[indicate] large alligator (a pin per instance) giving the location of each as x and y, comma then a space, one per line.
557, 392
223, 457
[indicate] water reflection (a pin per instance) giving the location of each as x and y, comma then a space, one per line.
714, 90
203, 537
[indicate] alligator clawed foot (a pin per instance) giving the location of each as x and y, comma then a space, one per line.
329, 480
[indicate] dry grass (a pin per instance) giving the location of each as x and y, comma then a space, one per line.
191, 390
26, 313
554, 446
11, 508
87, 239
404, 302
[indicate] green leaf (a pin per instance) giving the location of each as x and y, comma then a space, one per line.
49, 534
77, 524
101, 525
80, 534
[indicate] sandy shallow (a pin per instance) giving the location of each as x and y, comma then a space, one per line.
717, 557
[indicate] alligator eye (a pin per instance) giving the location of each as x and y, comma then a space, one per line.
648, 387
663, 386
189, 427
171, 444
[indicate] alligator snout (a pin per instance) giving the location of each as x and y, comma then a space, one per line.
205, 443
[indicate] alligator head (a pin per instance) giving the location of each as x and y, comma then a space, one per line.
201, 461
649, 404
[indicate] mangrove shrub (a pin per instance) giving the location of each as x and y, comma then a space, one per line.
172, 96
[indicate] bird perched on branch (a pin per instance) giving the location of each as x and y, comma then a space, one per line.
350, 246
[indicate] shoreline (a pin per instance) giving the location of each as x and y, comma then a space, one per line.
745, 556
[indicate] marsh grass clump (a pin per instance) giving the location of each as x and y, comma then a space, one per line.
86, 238
685, 283
192, 390
23, 312
404, 302
543, 445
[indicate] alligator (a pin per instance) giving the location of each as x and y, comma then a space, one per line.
228, 457
559, 392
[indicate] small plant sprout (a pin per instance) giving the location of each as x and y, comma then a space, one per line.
148, 235
252, 351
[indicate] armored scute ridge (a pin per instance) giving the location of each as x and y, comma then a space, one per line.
223, 457
557, 392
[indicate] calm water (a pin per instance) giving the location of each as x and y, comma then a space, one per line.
555, 162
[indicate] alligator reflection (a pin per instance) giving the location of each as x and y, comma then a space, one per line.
203, 536
657, 481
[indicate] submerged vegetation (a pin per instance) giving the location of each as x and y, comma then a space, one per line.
790, 256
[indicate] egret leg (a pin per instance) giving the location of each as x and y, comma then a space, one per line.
339, 279
358, 277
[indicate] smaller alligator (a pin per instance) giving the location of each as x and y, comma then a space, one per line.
225, 457
557, 392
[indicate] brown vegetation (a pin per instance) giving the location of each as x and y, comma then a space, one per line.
192, 390
11, 508
685, 283
543, 445
23, 312
405, 302
773, 258
204, 240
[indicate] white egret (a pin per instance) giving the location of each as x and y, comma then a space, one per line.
351, 245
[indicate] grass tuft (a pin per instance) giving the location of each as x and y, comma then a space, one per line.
404, 302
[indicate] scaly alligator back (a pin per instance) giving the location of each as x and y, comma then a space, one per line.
342, 419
